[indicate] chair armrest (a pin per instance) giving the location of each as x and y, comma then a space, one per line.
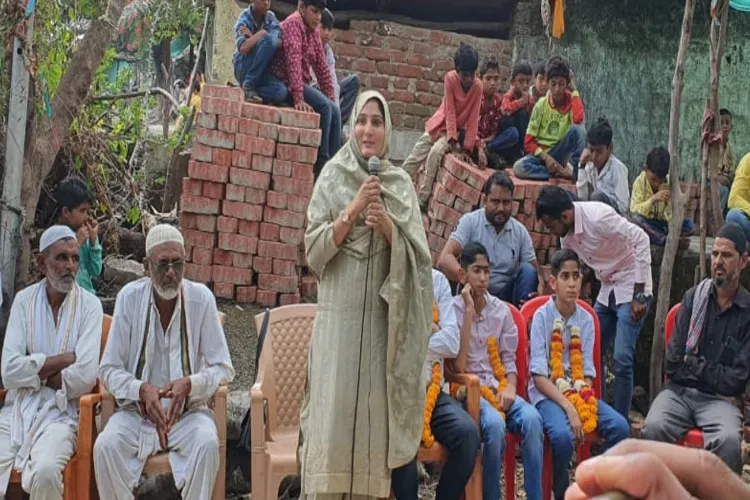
220, 411
472, 391
86, 423
257, 421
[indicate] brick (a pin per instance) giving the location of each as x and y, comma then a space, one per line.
245, 294
282, 284
224, 291
282, 167
284, 267
462, 206
464, 191
277, 250
292, 186
242, 260
255, 196
268, 131
201, 274
301, 154
192, 186
227, 124
188, 254
205, 223
201, 152
224, 92
268, 231
238, 243
529, 206
207, 120
266, 114
448, 231
227, 224
300, 119
240, 158
470, 174
244, 211
541, 256
286, 299
264, 147
222, 157
437, 227
213, 190
302, 171
198, 239
309, 137
202, 256
292, 236
284, 218
519, 189
215, 138
446, 214
249, 178
442, 195
222, 257
266, 298
248, 228
536, 239
199, 204
221, 106
187, 221
288, 135
516, 205
235, 192
247, 126
435, 242
297, 203
308, 287
245, 143
275, 199
263, 264
208, 172
262, 163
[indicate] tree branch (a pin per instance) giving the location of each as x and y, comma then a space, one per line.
130, 95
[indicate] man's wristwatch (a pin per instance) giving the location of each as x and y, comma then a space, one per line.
640, 297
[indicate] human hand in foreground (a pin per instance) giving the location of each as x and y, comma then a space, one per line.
369, 192
178, 391
304, 107
576, 426
151, 405
468, 298
482, 163
507, 397
649, 470
93, 226
378, 220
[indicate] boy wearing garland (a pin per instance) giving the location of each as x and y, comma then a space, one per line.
491, 355
562, 372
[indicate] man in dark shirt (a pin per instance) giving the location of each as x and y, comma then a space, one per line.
708, 357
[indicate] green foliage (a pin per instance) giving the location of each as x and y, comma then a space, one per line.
147, 22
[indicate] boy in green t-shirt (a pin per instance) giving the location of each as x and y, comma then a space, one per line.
75, 200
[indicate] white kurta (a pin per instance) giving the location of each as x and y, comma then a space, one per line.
39, 425
121, 450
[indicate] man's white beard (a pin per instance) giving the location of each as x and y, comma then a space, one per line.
166, 293
61, 285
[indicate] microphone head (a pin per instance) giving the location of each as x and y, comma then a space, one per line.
373, 165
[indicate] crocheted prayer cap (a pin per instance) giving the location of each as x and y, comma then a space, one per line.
163, 233
53, 235
735, 234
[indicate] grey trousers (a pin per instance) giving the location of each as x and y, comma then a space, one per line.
678, 409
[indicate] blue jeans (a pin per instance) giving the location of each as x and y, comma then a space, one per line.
509, 141
568, 150
521, 418
617, 324
723, 196
740, 218
611, 426
524, 281
251, 70
657, 230
330, 122
349, 90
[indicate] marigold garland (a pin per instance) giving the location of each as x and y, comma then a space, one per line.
433, 391
492, 396
579, 393
435, 312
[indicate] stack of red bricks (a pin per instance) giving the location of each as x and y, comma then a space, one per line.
458, 190
244, 201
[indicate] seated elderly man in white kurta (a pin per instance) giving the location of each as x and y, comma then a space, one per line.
50, 356
165, 357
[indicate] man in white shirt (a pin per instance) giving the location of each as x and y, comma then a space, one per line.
619, 253
49, 360
165, 357
601, 176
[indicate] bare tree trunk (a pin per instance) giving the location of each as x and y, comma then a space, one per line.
166, 71
678, 206
714, 150
49, 133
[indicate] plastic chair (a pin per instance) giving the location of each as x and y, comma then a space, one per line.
277, 395
79, 472
158, 464
584, 449
512, 440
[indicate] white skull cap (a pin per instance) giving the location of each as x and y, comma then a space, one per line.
53, 235
163, 233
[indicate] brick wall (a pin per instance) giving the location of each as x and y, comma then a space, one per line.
408, 65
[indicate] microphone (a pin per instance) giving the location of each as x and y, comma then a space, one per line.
373, 165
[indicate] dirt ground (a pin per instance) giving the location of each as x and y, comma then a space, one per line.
239, 327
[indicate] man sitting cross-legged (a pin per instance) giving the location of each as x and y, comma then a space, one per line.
165, 357
49, 360
708, 357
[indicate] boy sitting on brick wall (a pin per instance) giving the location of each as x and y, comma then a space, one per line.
541, 85
462, 100
517, 105
490, 115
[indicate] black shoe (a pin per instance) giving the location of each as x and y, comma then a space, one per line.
252, 96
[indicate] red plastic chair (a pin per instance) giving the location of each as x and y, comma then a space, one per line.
584, 450
522, 365
694, 437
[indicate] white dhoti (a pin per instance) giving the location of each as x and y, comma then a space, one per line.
193, 455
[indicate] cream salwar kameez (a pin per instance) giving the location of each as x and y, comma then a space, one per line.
138, 351
39, 425
397, 319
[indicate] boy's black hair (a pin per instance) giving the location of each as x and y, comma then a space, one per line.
600, 133
562, 256
488, 64
72, 193
470, 252
327, 19
521, 67
501, 179
725, 112
540, 69
321, 4
466, 58
552, 202
557, 67
657, 161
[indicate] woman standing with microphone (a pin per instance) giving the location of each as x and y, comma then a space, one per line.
363, 408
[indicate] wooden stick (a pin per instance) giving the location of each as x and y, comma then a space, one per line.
130, 95
198, 57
